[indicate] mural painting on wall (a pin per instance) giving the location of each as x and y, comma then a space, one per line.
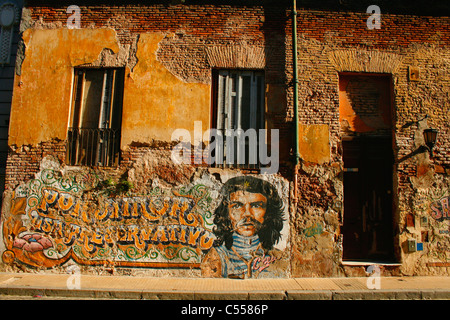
440, 211
248, 223
55, 218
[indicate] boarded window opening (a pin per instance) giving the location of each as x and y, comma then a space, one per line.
95, 120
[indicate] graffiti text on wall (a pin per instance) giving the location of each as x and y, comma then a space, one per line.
63, 216
170, 221
440, 210
50, 222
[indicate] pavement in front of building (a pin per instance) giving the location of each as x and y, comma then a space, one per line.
58, 286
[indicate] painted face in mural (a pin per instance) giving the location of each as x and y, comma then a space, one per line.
250, 207
247, 211
248, 223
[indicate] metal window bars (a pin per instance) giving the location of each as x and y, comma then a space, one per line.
93, 147
236, 149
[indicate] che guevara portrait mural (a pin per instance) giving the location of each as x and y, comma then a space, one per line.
233, 228
248, 222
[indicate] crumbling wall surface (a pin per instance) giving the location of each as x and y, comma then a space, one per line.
149, 214
166, 224
423, 177
152, 215
334, 44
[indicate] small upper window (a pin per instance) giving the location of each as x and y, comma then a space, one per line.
95, 120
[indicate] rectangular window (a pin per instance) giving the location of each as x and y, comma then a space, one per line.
239, 115
96, 115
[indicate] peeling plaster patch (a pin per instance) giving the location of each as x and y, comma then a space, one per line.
127, 42
43, 90
125, 56
25, 23
20, 56
109, 58
314, 143
132, 53
168, 101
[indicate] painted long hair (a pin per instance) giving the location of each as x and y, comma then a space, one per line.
270, 231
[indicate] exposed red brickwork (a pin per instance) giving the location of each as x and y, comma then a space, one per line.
194, 31
23, 162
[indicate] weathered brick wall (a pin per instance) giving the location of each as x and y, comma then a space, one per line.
24, 162
189, 30
201, 37
330, 43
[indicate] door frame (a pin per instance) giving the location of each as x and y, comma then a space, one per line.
396, 258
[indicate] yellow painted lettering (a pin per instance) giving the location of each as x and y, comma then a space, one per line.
172, 237
125, 209
146, 234
187, 217
47, 199
65, 202
206, 244
115, 212
97, 239
193, 237
101, 214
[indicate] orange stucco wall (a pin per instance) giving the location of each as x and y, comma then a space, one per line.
314, 143
155, 101
42, 93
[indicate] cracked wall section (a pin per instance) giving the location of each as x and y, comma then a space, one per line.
42, 93
168, 103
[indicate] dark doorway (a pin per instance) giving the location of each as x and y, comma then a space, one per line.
368, 221
365, 106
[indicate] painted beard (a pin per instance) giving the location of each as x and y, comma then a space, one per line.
248, 226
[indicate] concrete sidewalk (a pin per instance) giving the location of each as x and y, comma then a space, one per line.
48, 286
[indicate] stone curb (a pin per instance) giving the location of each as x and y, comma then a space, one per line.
309, 295
126, 294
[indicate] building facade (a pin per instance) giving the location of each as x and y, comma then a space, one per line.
9, 38
190, 139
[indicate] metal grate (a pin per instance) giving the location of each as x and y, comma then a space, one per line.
5, 45
93, 147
